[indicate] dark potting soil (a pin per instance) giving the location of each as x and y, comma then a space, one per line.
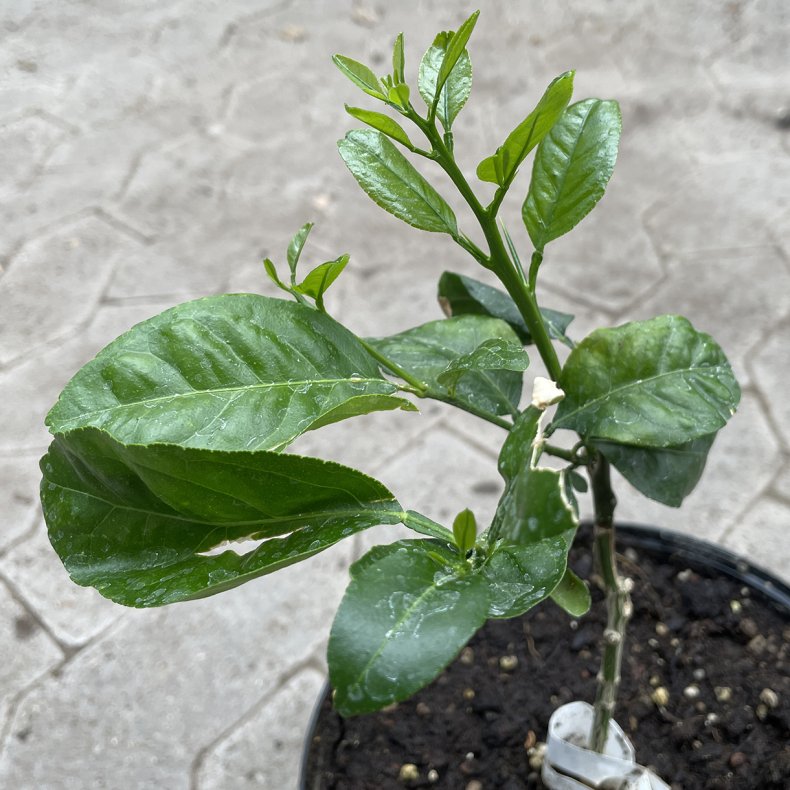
705, 695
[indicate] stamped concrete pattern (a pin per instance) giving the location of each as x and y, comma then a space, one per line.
153, 152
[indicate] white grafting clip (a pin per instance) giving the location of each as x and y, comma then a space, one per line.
569, 766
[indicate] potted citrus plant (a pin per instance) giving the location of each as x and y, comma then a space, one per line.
172, 441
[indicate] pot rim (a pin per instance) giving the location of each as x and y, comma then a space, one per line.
653, 539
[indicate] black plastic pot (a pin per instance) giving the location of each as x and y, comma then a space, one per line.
696, 553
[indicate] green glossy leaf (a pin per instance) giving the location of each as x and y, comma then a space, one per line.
391, 182
502, 166
535, 503
228, 372
381, 122
573, 165
398, 60
535, 506
137, 522
404, 617
360, 75
521, 576
296, 246
491, 355
456, 48
460, 295
656, 383
572, 595
426, 351
456, 88
318, 281
667, 474
465, 530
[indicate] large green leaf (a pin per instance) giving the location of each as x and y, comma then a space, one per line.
572, 167
656, 383
535, 503
666, 474
393, 183
409, 609
456, 89
427, 350
521, 576
136, 522
234, 372
535, 506
461, 295
502, 166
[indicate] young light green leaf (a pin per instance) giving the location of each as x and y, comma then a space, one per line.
465, 531
391, 182
456, 88
426, 526
383, 123
426, 351
272, 272
521, 576
528, 133
399, 95
456, 48
668, 474
491, 355
656, 383
389, 641
318, 281
572, 595
142, 524
230, 372
360, 75
572, 167
296, 246
461, 295
398, 60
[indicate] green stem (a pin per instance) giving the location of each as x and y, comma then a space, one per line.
618, 601
468, 407
534, 265
507, 270
559, 452
419, 387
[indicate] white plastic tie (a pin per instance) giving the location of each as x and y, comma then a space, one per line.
569, 766
545, 393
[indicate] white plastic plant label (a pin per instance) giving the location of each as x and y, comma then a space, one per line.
569, 766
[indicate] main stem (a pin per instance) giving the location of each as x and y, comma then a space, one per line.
503, 266
522, 291
618, 601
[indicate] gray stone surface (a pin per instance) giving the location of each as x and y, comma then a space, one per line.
153, 152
